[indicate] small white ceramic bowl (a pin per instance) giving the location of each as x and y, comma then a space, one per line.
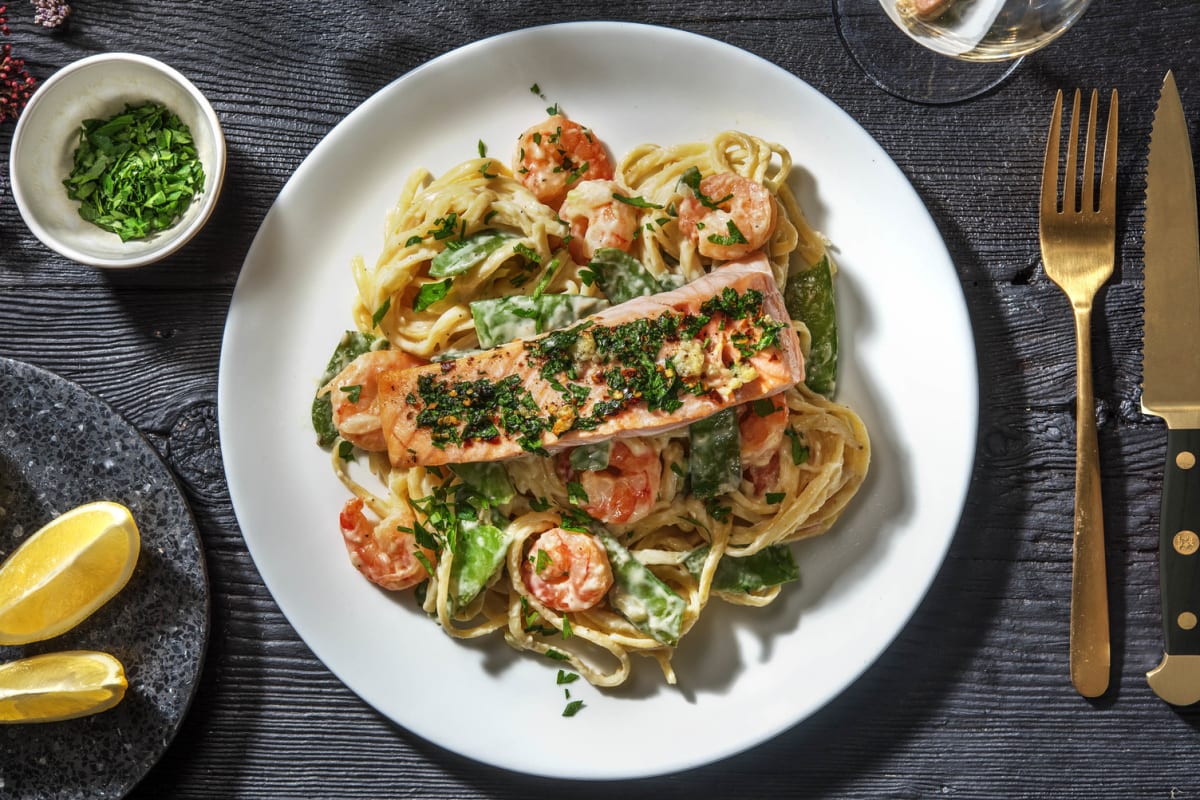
47, 133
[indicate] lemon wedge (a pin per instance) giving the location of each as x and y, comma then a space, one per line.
66, 571
59, 686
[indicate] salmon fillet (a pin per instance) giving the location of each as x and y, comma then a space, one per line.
646, 366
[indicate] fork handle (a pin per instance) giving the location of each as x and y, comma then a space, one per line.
1089, 587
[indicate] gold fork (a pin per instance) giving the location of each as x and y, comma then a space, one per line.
1078, 247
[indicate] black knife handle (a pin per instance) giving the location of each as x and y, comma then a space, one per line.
1179, 543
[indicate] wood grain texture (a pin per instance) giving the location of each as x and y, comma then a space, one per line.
971, 701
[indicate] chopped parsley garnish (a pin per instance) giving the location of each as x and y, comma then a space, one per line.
565, 677
575, 519
735, 236
431, 293
717, 511
380, 313
691, 179
572, 708
566, 628
482, 149
576, 494
353, 392
424, 559
799, 450
538, 503
553, 110
557, 655
576, 173
345, 450
413, 240
483, 170
542, 561
636, 202
775, 497
135, 173
520, 248
537, 90
447, 226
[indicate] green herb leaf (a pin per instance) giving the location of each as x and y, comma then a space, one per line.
576, 494
636, 202
735, 236
799, 450
431, 293
135, 173
565, 677
380, 313
775, 497
353, 392
572, 708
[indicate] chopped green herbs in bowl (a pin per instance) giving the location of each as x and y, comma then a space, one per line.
117, 161
135, 173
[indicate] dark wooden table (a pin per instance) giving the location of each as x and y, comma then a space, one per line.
973, 698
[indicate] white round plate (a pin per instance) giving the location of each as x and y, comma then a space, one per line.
908, 367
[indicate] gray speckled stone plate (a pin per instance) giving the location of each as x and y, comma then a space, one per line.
60, 447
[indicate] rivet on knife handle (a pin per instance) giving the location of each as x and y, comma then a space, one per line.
1177, 678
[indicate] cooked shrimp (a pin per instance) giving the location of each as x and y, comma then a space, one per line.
627, 489
567, 570
381, 551
597, 219
354, 393
739, 216
556, 154
762, 425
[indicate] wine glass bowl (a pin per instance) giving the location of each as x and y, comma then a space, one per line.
984, 30
946, 51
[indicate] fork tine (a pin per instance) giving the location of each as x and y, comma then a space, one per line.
1050, 167
1072, 165
1087, 198
1108, 174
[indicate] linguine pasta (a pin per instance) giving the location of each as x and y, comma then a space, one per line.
799, 472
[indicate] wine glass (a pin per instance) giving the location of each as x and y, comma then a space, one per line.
966, 47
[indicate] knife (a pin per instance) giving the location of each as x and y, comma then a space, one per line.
1171, 388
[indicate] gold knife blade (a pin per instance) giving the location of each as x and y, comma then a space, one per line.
1171, 387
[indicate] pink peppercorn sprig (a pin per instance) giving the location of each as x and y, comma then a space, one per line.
16, 84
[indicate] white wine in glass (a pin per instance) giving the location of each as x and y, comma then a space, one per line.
955, 35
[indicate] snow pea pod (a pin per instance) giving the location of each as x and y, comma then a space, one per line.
621, 276
640, 596
768, 567
809, 298
503, 319
470, 252
715, 454
478, 555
